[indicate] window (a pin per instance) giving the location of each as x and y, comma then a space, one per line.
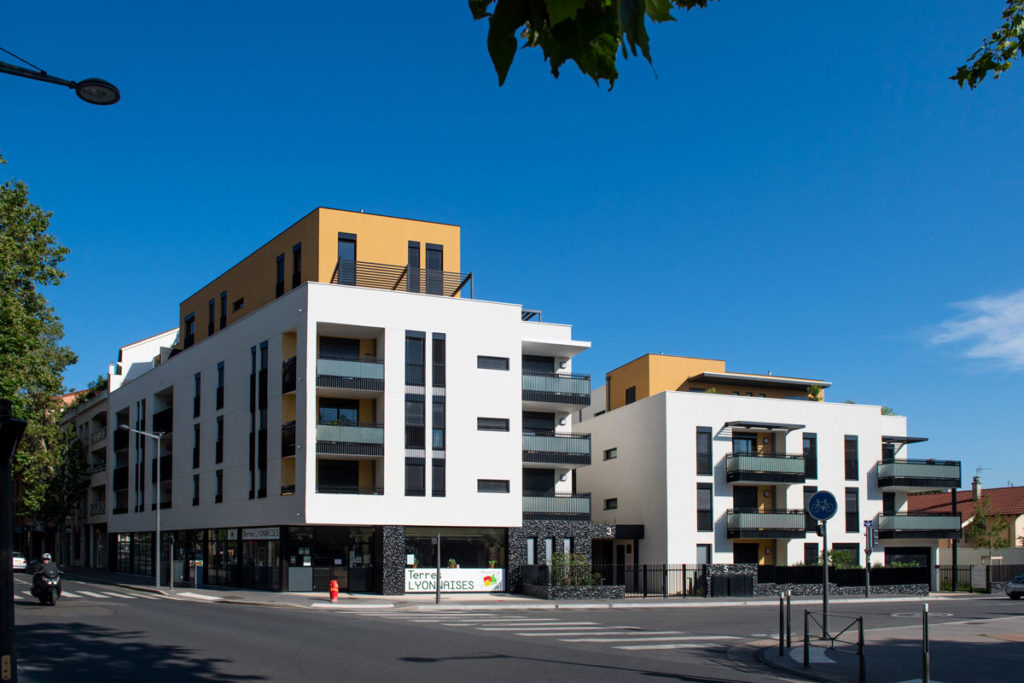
238, 304
888, 503
437, 378
492, 363
195, 396
810, 524
195, 489
220, 385
704, 451
538, 423
437, 423
414, 421
346, 258
435, 268
567, 546
279, 286
219, 450
703, 553
811, 554
630, 395
223, 309
190, 330
415, 343
704, 509
492, 424
412, 280
549, 550
195, 446
220, 487
611, 503
437, 489
850, 458
415, 484
811, 455
531, 551
492, 485
611, 454
209, 327
852, 513
296, 265
538, 365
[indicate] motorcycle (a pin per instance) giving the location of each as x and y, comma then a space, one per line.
46, 588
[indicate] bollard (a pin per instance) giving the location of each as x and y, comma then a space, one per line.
782, 627
334, 590
789, 619
926, 665
862, 674
807, 645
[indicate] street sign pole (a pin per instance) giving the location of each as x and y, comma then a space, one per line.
824, 578
437, 579
869, 546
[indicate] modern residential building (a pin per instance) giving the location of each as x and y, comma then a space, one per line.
84, 533
696, 464
332, 404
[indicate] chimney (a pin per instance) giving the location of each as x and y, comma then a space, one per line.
976, 488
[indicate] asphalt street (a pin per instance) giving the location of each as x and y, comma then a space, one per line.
98, 632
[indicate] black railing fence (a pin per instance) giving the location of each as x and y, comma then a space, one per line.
881, 576
655, 580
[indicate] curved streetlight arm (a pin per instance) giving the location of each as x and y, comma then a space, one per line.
37, 75
91, 90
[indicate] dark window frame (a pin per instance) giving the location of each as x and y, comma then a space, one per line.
630, 395
279, 282
492, 424
851, 458
213, 310
190, 330
297, 265
415, 421
492, 486
611, 503
492, 363
705, 456
810, 450
415, 368
706, 516
852, 511
196, 440
611, 453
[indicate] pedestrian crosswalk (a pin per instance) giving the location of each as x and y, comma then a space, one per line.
566, 630
98, 594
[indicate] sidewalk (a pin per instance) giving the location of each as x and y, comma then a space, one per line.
425, 601
970, 650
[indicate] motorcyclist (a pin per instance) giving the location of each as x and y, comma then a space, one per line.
48, 569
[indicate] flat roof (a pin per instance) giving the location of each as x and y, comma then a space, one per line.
765, 381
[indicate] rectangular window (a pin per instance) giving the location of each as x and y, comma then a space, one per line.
703, 553
549, 550
492, 363
611, 503
196, 394
219, 451
435, 268
611, 454
195, 446
888, 503
297, 265
704, 508
279, 286
209, 327
190, 330
852, 513
811, 554
630, 395
850, 458
888, 452
567, 546
220, 487
415, 346
810, 455
437, 424
238, 304
195, 489
415, 421
415, 484
220, 385
810, 524
704, 451
223, 310
437, 489
346, 258
492, 485
412, 280
531, 551
438, 360
492, 424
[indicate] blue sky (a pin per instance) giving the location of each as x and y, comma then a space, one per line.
797, 189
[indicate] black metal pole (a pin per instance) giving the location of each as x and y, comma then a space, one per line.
824, 579
789, 619
807, 644
862, 674
782, 625
11, 430
926, 664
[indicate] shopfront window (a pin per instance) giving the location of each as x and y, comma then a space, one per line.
465, 548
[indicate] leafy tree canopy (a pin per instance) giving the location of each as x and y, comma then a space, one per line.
997, 51
989, 528
588, 32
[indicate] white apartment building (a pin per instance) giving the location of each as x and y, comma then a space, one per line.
347, 407
707, 466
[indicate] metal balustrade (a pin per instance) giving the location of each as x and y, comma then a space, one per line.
764, 467
751, 523
401, 278
556, 449
350, 439
558, 506
550, 387
924, 474
919, 525
350, 373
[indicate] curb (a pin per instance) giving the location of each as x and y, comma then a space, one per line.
766, 661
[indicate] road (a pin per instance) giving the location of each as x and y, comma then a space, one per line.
99, 632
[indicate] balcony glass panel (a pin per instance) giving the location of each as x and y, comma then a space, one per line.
770, 463
574, 505
897, 523
356, 369
919, 469
372, 434
550, 383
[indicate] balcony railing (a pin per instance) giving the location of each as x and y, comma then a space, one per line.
558, 506
919, 526
550, 387
97, 508
750, 523
288, 375
288, 439
355, 490
97, 435
287, 489
121, 478
923, 474
336, 372
779, 468
97, 468
557, 449
350, 439
120, 439
163, 421
401, 278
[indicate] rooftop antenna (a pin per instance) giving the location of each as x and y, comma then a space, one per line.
977, 471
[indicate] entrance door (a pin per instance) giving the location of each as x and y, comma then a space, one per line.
744, 443
259, 565
744, 553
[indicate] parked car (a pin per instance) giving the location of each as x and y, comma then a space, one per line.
19, 562
1015, 587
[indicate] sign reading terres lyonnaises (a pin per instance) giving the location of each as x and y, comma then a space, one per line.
455, 580
262, 533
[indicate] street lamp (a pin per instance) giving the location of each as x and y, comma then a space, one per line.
11, 430
159, 483
92, 90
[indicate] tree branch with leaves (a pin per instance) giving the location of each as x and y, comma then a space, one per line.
997, 52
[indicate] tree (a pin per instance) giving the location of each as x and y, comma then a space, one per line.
989, 528
997, 51
32, 361
588, 32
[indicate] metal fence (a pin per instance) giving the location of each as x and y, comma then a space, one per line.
882, 576
655, 580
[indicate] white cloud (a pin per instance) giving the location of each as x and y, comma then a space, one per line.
991, 327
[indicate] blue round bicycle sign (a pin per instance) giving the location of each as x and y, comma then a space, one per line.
822, 506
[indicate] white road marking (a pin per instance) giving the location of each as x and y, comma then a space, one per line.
609, 632
197, 595
69, 594
639, 638
585, 626
120, 595
666, 646
95, 595
28, 595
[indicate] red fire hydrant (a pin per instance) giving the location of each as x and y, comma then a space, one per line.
334, 590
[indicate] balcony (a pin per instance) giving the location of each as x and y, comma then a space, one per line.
288, 375
97, 435
121, 478
325, 487
401, 278
288, 439
557, 449
575, 506
918, 525
777, 468
287, 489
764, 523
335, 372
163, 421
98, 467
97, 509
120, 510
121, 439
563, 389
350, 439
166, 469
918, 474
